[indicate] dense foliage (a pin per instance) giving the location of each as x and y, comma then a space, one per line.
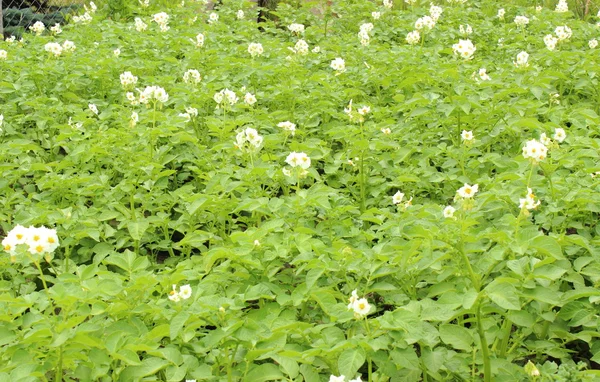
302, 199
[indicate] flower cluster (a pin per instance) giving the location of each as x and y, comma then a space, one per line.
529, 202
3, 54
359, 114
482, 75
225, 95
296, 28
288, 126
128, 80
199, 42
1, 120
162, 19
563, 33
522, 60
39, 240
300, 48
435, 12
363, 33
339, 65
593, 43
255, 49
535, 151
360, 306
550, 41
56, 29
53, 48
248, 140
190, 112
38, 28
213, 18
240, 15
413, 38
425, 23
185, 292
300, 160
501, 13
376, 15
140, 26
192, 76
465, 30
388, 4
93, 108
521, 21
249, 99
153, 93
464, 49
398, 197
83, 19
562, 6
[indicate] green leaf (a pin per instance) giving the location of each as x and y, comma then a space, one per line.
177, 323
350, 361
264, 372
504, 294
289, 365
149, 366
137, 228
456, 336
548, 246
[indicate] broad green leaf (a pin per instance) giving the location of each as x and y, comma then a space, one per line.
503, 294
350, 361
456, 336
177, 323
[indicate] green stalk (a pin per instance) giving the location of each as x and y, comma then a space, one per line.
59, 369
487, 366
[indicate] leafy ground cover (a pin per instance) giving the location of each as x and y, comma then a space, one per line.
352, 191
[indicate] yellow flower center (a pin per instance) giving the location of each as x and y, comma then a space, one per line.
19, 236
51, 240
36, 237
39, 249
361, 306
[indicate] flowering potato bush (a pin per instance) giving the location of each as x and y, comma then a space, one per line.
353, 191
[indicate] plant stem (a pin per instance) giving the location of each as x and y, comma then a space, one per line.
487, 366
59, 370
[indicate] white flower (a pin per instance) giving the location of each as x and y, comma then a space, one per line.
153, 93
117, 52
301, 160
529, 202
93, 8
413, 38
449, 212
467, 191
376, 15
388, 4
301, 47
93, 108
68, 46
213, 18
199, 40
559, 135
84, 19
483, 75
338, 65
465, 30
535, 151
356, 380
464, 49
144, 3
38, 28
562, 6
386, 130
521, 21
435, 12
361, 307
140, 26
132, 98
174, 295
410, 2
364, 110
133, 120
538, 8
296, 28
466, 135
128, 79
425, 22
1, 120
53, 48
397, 198
255, 49
192, 76
249, 99
288, 126
185, 291
550, 41
56, 29
341, 378
593, 43
3, 54
187, 116
316, 49
563, 33
239, 14
501, 13
545, 140
521, 61
554, 98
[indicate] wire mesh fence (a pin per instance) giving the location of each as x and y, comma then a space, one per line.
18, 15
